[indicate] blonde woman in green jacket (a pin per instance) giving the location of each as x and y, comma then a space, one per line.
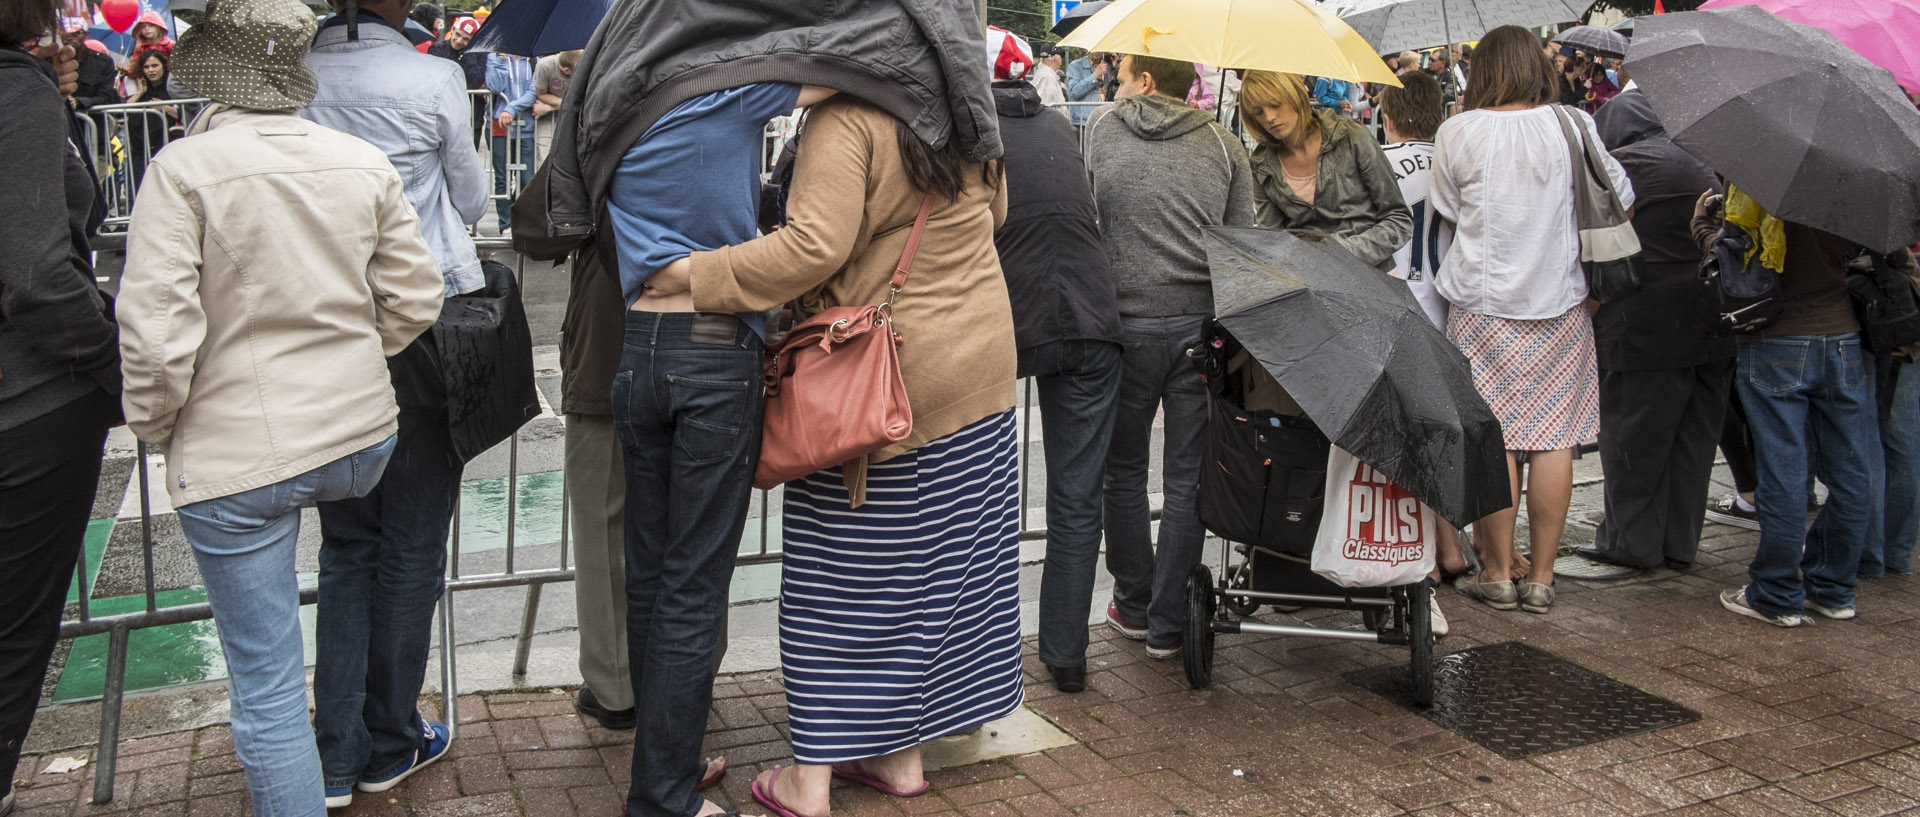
1317, 170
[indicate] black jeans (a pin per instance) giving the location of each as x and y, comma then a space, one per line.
48, 475
1657, 431
1079, 393
687, 404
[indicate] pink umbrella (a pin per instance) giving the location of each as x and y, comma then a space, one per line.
1886, 32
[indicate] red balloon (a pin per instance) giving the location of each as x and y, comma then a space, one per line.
120, 14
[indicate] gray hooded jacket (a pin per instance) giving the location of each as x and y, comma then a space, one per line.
1163, 170
919, 60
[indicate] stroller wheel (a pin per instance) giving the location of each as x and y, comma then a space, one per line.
1420, 638
1374, 619
1238, 577
1197, 653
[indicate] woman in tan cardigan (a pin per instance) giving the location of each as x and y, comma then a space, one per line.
899, 616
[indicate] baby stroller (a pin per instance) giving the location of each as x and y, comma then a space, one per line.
1261, 492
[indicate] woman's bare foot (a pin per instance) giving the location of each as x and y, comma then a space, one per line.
1519, 568
900, 770
802, 790
708, 808
710, 776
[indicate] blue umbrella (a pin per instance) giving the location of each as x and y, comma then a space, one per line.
536, 28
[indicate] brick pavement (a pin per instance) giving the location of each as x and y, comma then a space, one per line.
1821, 720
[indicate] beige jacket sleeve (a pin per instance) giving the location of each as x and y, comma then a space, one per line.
406, 281
825, 216
161, 321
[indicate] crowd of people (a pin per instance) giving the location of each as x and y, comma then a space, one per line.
350, 157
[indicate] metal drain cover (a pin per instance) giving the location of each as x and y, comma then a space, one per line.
1575, 566
1519, 701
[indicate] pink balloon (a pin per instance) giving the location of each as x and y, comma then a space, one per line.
120, 14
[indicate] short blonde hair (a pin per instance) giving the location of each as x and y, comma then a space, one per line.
1266, 88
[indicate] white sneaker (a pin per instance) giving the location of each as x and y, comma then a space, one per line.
1437, 619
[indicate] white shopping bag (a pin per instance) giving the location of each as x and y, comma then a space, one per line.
1373, 533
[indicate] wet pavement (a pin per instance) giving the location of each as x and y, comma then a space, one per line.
1821, 720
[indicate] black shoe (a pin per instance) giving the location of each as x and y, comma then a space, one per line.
615, 719
1069, 679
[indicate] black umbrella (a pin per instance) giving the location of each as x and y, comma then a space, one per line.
1601, 41
1077, 15
1353, 348
1810, 129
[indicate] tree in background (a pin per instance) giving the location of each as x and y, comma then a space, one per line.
1027, 18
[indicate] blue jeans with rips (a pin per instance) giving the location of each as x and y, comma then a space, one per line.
1810, 402
687, 406
383, 565
244, 545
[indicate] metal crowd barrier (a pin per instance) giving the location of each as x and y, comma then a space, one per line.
514, 573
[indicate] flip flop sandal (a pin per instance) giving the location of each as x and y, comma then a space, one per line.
858, 774
764, 794
713, 778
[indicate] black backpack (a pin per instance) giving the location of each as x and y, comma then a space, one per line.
1883, 301
1736, 295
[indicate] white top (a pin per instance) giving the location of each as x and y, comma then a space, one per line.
1505, 180
1418, 263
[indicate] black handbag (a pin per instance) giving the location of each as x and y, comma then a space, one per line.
485, 353
1735, 294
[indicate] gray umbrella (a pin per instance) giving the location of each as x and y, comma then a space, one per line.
1808, 128
1594, 40
1411, 24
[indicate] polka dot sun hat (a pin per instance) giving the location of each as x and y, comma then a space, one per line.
250, 54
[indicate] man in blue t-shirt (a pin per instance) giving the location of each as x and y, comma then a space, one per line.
687, 404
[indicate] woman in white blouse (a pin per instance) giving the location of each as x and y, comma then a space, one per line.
1502, 174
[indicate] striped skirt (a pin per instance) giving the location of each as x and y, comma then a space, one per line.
900, 620
1540, 377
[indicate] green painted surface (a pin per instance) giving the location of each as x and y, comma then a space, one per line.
190, 653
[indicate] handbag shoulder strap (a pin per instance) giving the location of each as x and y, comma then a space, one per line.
913, 247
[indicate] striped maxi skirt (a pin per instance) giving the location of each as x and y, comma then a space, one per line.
1540, 377
900, 620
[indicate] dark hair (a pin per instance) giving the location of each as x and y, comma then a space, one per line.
427, 14
1172, 78
1416, 107
140, 65
1509, 67
23, 20
940, 171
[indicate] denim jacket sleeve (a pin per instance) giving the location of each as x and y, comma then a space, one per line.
466, 179
1080, 80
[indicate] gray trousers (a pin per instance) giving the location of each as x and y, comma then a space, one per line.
597, 490
1149, 582
596, 514
1657, 434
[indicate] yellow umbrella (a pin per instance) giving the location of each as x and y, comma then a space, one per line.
1294, 36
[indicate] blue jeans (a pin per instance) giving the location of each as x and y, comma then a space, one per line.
1891, 536
1150, 583
245, 546
1079, 384
521, 141
1810, 397
383, 563
687, 405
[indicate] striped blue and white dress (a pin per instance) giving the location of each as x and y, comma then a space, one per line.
900, 620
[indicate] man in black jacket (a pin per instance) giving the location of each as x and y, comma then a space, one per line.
473, 64
1067, 326
96, 73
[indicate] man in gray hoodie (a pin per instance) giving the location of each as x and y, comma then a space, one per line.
1162, 170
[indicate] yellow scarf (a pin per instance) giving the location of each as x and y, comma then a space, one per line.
1769, 233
